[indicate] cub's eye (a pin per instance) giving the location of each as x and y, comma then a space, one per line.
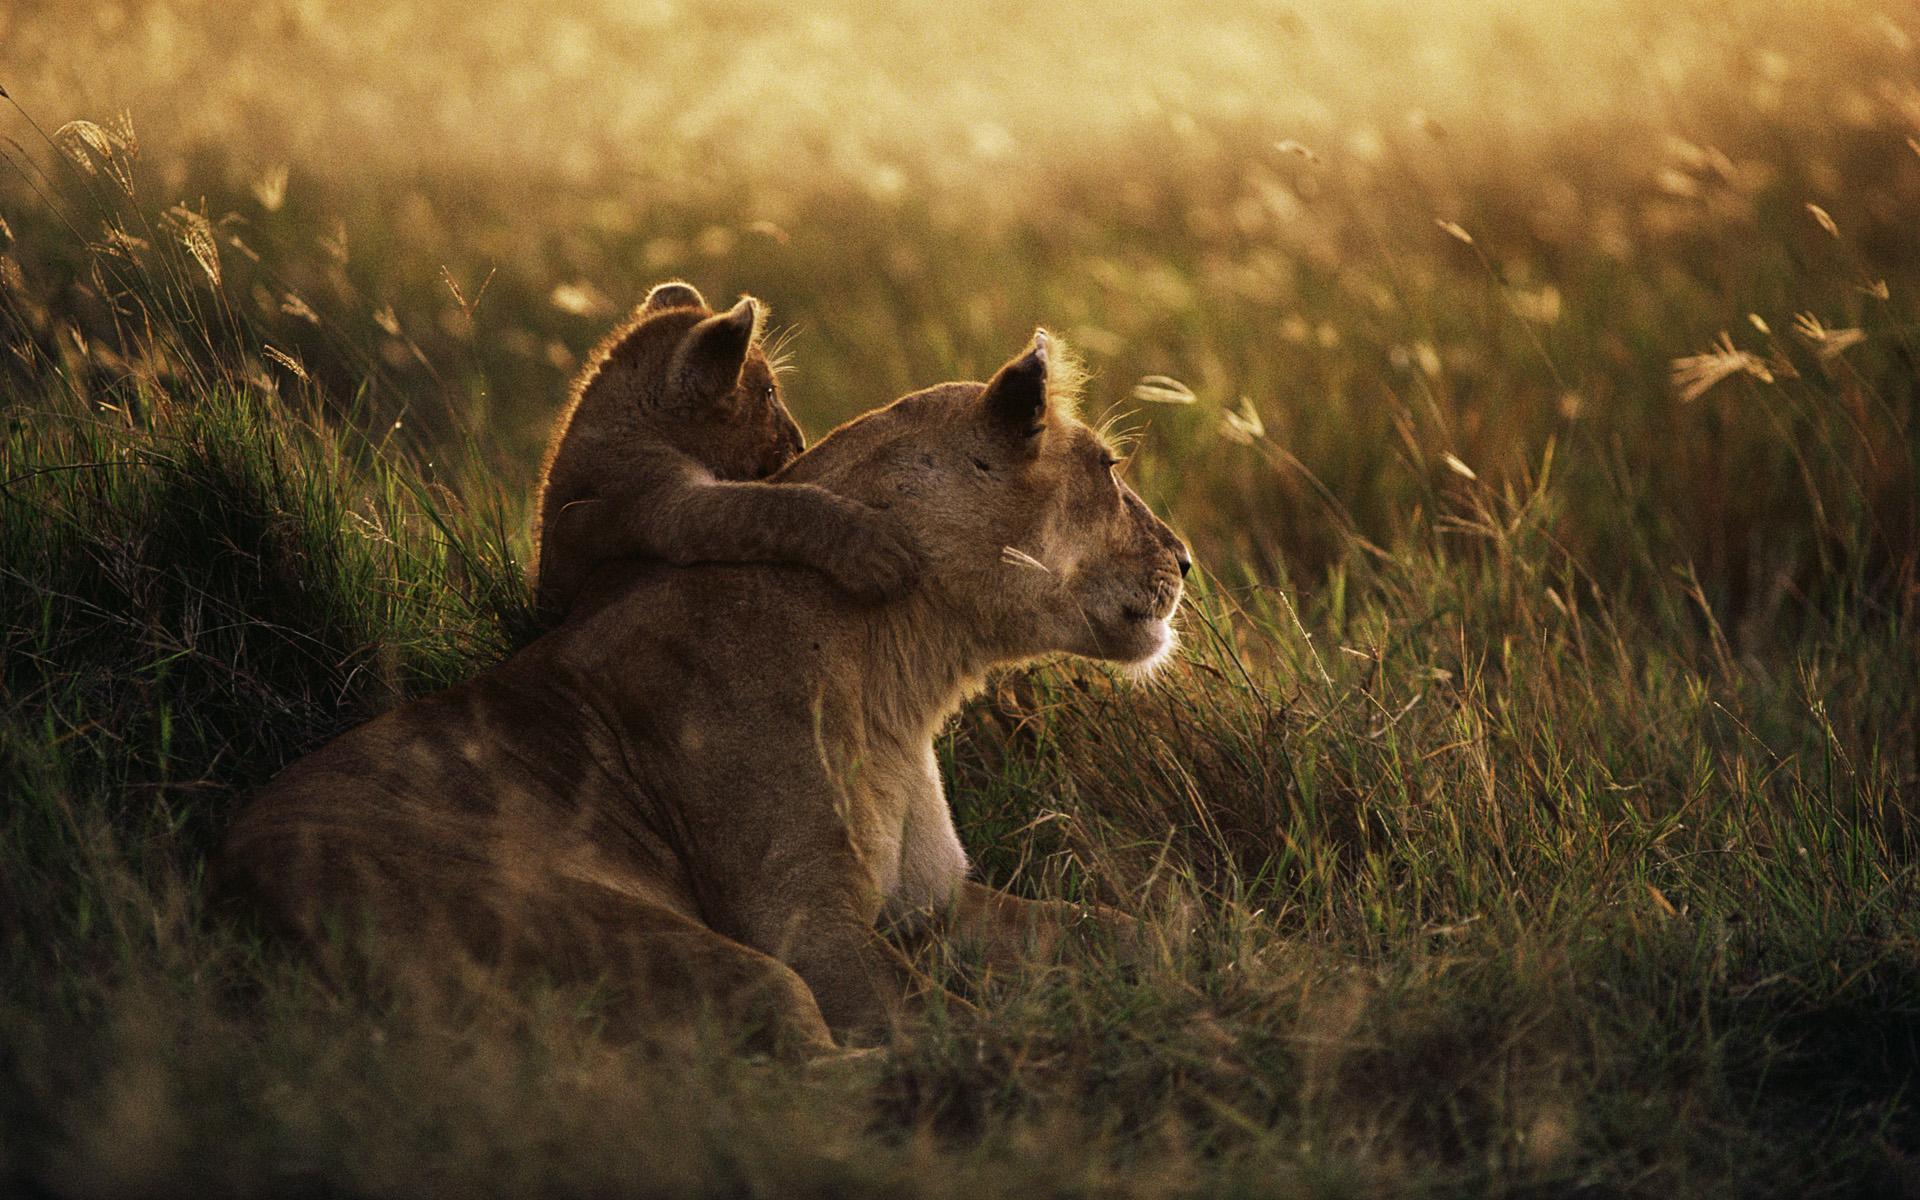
768, 394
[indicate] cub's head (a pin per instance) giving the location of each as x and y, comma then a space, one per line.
700, 379
1030, 532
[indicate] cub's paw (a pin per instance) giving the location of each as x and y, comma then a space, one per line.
874, 559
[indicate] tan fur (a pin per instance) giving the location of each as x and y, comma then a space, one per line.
674, 420
711, 785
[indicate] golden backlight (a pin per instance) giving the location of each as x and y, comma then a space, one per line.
899, 93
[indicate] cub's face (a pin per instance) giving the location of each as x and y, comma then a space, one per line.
1024, 518
745, 432
702, 382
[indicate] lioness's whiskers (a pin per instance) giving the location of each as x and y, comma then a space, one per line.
1014, 556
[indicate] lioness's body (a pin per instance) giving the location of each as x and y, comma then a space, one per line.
712, 784
565, 780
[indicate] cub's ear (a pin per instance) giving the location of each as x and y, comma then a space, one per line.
673, 294
707, 363
1016, 396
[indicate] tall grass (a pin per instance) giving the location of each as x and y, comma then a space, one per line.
1529, 812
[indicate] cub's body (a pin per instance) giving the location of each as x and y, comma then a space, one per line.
674, 421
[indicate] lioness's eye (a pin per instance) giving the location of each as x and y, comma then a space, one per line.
768, 395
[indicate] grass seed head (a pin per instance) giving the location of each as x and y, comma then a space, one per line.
1696, 374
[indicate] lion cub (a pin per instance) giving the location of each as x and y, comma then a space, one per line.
676, 420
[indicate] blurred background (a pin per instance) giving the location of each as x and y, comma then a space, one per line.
1359, 252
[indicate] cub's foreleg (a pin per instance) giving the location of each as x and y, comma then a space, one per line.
696, 518
867, 553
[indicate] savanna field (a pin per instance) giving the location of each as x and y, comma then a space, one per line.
1530, 810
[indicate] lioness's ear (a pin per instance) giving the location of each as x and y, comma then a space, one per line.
709, 359
1016, 396
673, 294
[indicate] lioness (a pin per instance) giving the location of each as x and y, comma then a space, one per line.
710, 785
674, 420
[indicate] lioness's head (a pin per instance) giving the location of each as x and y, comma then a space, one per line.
1027, 527
702, 380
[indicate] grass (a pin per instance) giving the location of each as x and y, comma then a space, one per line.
1531, 811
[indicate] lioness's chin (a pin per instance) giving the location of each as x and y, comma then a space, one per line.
1140, 644
1165, 638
